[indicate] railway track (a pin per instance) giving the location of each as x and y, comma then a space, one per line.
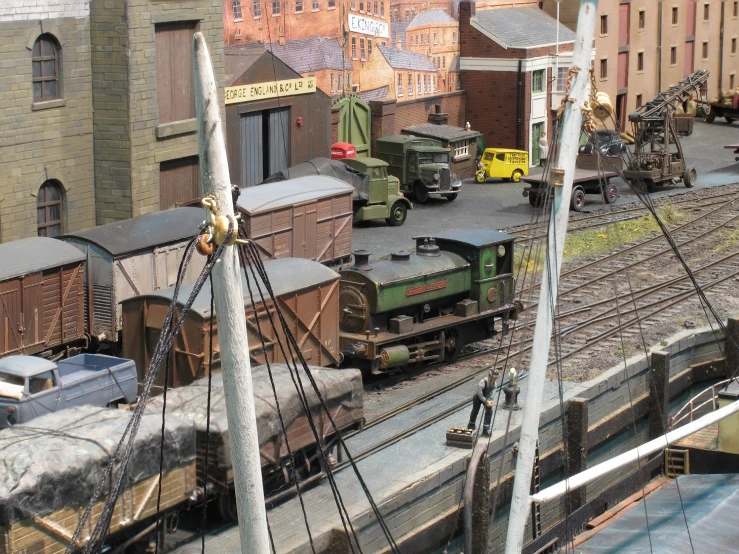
598, 325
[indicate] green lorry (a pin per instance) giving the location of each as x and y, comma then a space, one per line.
422, 166
382, 198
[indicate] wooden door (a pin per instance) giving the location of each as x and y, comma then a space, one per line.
32, 305
10, 316
178, 182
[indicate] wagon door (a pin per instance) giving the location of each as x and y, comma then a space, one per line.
167, 261
10, 316
305, 231
32, 324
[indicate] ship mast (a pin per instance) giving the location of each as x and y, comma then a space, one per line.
562, 190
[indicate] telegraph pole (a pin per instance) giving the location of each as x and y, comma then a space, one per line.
562, 190
229, 305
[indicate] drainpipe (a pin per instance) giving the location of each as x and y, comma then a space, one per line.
721, 52
659, 47
519, 105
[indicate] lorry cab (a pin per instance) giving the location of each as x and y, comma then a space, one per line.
502, 163
384, 198
422, 166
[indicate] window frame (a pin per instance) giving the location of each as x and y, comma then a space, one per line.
46, 38
640, 62
675, 15
42, 203
298, 3
362, 51
603, 69
639, 101
462, 151
537, 81
354, 48
733, 45
706, 11
673, 55
369, 48
331, 5
256, 9
419, 90
604, 24
278, 5
454, 37
642, 20
705, 51
410, 84
562, 75
315, 6
382, 10
400, 85
236, 4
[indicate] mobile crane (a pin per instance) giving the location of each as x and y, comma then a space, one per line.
655, 161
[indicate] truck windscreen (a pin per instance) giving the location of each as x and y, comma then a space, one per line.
433, 157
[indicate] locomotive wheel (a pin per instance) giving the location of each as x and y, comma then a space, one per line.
516, 176
578, 199
689, 177
227, 506
421, 193
398, 213
452, 345
610, 193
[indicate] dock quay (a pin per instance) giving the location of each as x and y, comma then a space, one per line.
418, 481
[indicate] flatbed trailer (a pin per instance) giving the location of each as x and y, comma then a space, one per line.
729, 112
588, 180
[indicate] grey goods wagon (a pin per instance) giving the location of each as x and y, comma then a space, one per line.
306, 217
307, 293
341, 390
41, 296
133, 257
53, 464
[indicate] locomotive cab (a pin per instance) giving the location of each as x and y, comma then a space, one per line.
424, 307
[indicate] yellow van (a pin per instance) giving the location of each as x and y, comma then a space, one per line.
502, 163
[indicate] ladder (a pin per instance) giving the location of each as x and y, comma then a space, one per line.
677, 462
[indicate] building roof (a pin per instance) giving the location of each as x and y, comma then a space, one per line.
474, 237
144, 231
403, 59
397, 31
311, 54
30, 255
441, 132
454, 66
240, 58
526, 27
431, 17
374, 94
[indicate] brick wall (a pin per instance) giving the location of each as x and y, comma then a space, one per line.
109, 33
442, 52
51, 143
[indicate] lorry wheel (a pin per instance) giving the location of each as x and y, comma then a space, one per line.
516, 176
452, 197
421, 193
480, 177
227, 506
398, 213
710, 116
610, 193
534, 199
689, 177
578, 199
729, 120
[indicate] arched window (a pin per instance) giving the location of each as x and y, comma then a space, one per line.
46, 57
49, 210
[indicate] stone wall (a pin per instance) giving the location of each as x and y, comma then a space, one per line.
45, 140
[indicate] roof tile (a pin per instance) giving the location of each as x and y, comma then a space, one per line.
431, 17
526, 27
403, 59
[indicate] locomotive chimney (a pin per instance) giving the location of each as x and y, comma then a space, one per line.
361, 260
428, 248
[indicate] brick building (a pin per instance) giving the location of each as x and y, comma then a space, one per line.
46, 153
362, 23
436, 35
509, 70
407, 10
645, 46
412, 75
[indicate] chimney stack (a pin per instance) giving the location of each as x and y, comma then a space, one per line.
437, 117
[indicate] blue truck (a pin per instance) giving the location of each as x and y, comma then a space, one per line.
31, 386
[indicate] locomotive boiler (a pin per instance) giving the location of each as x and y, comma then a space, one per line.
424, 307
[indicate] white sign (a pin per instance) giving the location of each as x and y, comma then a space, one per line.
367, 26
273, 89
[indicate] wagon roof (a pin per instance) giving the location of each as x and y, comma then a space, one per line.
25, 256
144, 231
474, 237
290, 192
25, 366
285, 275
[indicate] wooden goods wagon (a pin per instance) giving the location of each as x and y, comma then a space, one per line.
133, 257
307, 217
41, 296
307, 293
68, 451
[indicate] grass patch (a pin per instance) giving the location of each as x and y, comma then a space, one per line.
602, 239
728, 239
